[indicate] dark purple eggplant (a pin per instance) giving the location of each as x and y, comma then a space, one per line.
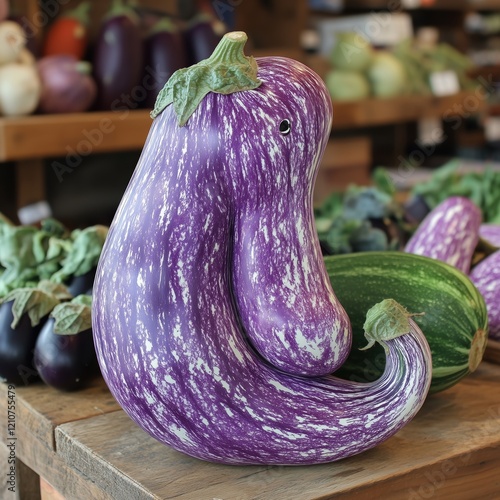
118, 60
22, 313
16, 347
164, 53
83, 283
201, 38
66, 360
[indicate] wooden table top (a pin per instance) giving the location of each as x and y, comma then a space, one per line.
87, 447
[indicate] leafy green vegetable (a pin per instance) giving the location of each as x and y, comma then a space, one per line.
73, 317
29, 254
360, 219
481, 187
83, 254
36, 301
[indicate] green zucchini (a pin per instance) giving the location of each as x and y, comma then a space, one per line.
454, 318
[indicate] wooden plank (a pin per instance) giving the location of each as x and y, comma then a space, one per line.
492, 353
450, 449
48, 492
456, 5
376, 112
24, 486
78, 135
345, 161
47, 464
40, 409
72, 136
30, 182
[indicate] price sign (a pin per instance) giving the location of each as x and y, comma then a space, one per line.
444, 83
30, 214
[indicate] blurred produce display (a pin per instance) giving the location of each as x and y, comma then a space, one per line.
123, 66
406, 68
367, 218
362, 219
483, 188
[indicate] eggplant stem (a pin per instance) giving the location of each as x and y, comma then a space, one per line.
226, 71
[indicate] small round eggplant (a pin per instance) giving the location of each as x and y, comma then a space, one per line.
16, 347
65, 362
82, 283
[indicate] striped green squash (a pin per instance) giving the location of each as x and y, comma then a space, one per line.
454, 318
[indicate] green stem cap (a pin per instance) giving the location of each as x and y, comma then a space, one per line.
386, 321
226, 71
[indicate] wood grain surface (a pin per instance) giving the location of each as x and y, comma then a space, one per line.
492, 353
40, 409
450, 450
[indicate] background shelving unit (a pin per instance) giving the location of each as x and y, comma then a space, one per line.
274, 28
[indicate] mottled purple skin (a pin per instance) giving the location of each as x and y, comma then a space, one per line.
449, 233
212, 242
486, 277
490, 233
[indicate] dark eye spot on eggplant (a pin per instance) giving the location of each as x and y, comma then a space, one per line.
285, 127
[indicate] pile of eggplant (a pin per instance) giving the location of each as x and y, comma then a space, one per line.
455, 232
46, 279
122, 67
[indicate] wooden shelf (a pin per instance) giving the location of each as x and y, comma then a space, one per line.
457, 5
376, 112
86, 447
41, 136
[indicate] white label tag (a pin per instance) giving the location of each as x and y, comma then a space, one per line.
430, 131
30, 214
444, 83
492, 128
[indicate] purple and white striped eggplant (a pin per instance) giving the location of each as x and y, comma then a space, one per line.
211, 293
490, 233
449, 233
486, 276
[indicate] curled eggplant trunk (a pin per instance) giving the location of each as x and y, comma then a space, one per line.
205, 223
16, 347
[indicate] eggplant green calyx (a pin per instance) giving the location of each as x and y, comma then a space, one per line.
226, 71
36, 301
71, 318
83, 253
385, 321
